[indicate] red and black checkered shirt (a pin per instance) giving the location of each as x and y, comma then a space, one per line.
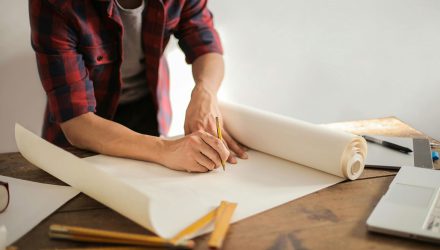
78, 46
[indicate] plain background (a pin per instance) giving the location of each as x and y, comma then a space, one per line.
317, 60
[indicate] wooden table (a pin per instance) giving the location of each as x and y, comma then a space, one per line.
333, 218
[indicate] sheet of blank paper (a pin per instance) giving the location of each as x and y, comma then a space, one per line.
29, 204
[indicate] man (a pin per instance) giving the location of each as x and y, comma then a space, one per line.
101, 65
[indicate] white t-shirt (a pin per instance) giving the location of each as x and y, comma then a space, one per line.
134, 82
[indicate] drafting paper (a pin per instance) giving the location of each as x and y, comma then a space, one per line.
166, 201
30, 203
178, 198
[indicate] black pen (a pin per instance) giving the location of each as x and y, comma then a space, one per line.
387, 144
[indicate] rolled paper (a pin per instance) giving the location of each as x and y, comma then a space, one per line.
329, 150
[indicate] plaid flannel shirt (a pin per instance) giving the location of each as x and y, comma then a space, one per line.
78, 47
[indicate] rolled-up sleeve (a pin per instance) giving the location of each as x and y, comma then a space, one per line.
61, 68
196, 32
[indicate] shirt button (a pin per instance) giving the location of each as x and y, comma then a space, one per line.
99, 58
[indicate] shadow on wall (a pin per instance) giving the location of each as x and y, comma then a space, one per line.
22, 98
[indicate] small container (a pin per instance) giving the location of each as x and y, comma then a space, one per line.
435, 155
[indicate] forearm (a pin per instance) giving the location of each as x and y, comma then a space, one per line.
198, 152
97, 134
208, 72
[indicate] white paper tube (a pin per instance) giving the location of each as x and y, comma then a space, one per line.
332, 151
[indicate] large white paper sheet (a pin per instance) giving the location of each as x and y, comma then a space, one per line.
31, 202
166, 201
178, 198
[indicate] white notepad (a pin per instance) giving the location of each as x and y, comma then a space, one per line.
383, 157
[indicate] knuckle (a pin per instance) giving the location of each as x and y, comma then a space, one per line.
233, 143
236, 147
193, 139
218, 161
226, 155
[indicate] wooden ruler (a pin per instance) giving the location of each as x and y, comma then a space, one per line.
221, 216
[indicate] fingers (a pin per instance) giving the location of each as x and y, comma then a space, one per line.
197, 168
234, 147
205, 162
217, 150
212, 152
207, 152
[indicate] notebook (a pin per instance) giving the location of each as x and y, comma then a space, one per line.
383, 157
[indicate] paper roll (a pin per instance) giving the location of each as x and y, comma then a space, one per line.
3, 235
332, 151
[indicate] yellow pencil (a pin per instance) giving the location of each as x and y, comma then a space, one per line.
219, 135
104, 236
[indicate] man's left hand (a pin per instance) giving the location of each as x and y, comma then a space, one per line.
200, 115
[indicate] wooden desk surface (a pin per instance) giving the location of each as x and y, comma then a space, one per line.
333, 218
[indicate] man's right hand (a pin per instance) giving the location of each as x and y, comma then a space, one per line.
196, 152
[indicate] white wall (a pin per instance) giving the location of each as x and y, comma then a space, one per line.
317, 60
326, 61
333, 60
21, 95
